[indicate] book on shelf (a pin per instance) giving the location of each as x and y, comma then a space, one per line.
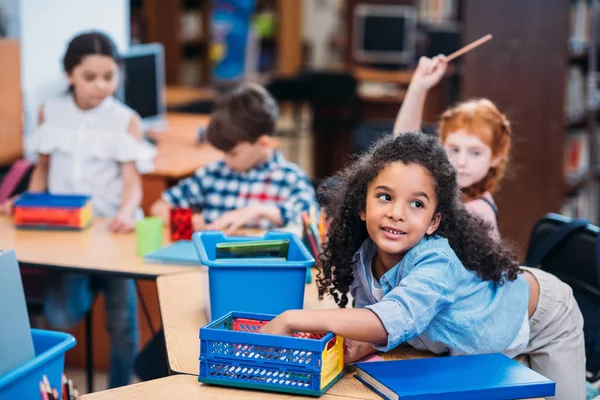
575, 94
583, 204
436, 11
190, 22
579, 34
576, 156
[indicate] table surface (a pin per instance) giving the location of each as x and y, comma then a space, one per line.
181, 95
93, 250
187, 387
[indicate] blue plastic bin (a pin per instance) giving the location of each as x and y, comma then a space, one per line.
23, 382
254, 287
233, 352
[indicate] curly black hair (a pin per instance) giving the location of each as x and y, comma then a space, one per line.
468, 235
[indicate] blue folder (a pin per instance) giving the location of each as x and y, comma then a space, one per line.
16, 344
181, 252
485, 376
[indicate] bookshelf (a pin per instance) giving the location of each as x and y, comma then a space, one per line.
581, 113
523, 70
184, 29
182, 26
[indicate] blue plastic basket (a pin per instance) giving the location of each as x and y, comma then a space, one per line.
233, 353
23, 382
31, 199
269, 288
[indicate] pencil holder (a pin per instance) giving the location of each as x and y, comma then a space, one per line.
50, 348
253, 285
234, 353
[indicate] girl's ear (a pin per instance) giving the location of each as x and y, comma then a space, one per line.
363, 216
496, 160
435, 222
70, 78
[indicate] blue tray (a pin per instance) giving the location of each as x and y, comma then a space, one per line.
23, 382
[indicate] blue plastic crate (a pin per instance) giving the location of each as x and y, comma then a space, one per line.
269, 288
233, 353
32, 199
23, 382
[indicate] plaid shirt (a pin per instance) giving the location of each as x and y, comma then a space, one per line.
215, 189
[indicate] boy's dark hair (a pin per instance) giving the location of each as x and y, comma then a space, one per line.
468, 235
87, 44
242, 115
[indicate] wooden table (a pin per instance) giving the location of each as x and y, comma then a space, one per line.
187, 387
182, 95
94, 250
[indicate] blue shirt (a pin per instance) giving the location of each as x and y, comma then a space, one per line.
433, 302
216, 189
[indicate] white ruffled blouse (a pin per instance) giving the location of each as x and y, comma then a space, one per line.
86, 149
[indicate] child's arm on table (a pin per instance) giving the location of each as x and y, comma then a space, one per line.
359, 324
124, 221
300, 199
428, 73
132, 197
231, 221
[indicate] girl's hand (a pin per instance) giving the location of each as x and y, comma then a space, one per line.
6, 208
429, 71
122, 224
278, 326
354, 350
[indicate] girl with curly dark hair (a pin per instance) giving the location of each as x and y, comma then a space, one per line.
422, 269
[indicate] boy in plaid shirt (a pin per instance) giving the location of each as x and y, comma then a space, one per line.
254, 185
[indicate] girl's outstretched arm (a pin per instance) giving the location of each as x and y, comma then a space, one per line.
358, 324
428, 73
124, 221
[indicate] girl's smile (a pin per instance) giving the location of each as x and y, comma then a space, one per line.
400, 210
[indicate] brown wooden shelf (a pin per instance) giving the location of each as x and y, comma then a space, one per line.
201, 41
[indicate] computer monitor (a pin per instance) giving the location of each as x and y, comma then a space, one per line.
384, 34
143, 85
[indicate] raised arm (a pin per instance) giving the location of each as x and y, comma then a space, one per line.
428, 73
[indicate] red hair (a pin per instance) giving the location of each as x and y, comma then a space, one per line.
481, 118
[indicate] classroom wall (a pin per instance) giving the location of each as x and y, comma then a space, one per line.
44, 28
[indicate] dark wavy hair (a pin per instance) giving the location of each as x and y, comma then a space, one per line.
85, 44
468, 235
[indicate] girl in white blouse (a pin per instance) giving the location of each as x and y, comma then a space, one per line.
88, 143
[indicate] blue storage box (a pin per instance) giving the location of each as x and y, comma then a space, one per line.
23, 382
234, 353
269, 288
